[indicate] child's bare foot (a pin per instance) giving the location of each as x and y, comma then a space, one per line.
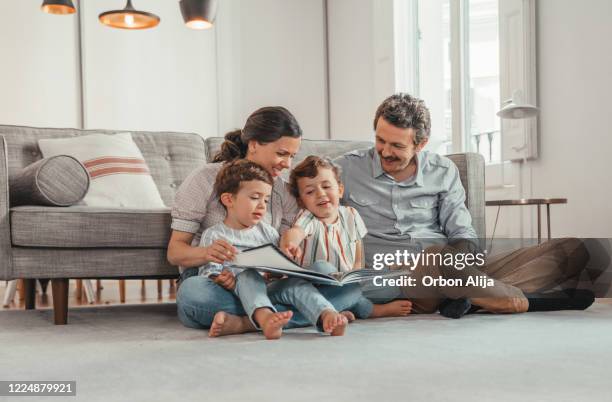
396, 308
229, 324
334, 323
350, 317
272, 325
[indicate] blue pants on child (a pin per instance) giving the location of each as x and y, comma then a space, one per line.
363, 307
199, 299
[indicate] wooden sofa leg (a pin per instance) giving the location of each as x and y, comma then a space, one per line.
30, 293
122, 290
59, 288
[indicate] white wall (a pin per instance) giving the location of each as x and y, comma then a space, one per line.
272, 52
38, 66
361, 64
574, 85
154, 79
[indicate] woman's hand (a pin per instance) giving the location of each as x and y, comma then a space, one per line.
220, 251
225, 279
181, 252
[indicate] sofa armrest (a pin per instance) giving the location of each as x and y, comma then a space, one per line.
6, 260
471, 170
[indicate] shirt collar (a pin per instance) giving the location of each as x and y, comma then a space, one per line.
378, 171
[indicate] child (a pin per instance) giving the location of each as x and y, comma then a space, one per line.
328, 231
244, 190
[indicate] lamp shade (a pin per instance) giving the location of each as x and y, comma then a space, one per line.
199, 14
516, 108
58, 7
129, 18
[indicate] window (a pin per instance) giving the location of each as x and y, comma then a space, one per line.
452, 61
482, 74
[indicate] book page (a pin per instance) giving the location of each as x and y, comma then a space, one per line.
268, 256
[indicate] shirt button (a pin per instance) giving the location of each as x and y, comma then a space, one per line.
168, 158
173, 185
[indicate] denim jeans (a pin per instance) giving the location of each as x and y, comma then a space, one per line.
253, 294
199, 299
362, 307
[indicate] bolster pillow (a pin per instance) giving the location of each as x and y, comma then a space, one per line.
56, 181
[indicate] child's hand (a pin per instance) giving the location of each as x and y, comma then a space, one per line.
220, 251
290, 242
225, 279
293, 251
269, 276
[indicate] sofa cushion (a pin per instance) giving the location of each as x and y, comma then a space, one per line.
119, 174
85, 227
60, 180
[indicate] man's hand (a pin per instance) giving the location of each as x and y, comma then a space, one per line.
220, 251
225, 279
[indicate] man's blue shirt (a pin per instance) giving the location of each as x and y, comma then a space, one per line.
428, 205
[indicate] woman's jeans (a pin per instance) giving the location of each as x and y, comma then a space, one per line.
199, 298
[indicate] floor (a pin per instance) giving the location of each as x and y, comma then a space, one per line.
136, 352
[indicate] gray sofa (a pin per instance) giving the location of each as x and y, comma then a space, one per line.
62, 243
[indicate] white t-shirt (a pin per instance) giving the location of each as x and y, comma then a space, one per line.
255, 236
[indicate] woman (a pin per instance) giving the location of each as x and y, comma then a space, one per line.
271, 137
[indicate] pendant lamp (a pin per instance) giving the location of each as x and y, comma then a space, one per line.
199, 14
58, 7
129, 18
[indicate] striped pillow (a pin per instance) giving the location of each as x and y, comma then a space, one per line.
119, 174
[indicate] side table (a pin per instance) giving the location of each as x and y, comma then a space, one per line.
530, 201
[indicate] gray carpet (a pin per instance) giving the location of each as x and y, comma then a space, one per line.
137, 353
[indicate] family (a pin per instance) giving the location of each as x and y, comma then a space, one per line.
334, 216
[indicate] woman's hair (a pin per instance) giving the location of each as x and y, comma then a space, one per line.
264, 125
405, 111
234, 173
309, 167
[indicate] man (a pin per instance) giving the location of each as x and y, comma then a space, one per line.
413, 200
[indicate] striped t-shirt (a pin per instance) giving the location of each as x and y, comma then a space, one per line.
255, 236
335, 243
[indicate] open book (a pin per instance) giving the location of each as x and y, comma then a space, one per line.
269, 258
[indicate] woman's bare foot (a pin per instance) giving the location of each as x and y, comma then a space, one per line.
272, 324
334, 323
229, 324
350, 317
396, 308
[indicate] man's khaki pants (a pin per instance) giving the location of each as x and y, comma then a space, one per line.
527, 270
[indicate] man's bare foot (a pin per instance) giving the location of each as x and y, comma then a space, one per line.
396, 308
229, 324
350, 317
272, 325
334, 323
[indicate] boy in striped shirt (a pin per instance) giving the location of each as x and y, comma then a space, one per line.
326, 231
